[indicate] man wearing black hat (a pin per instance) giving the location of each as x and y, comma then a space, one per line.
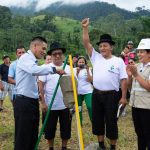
106, 86
47, 86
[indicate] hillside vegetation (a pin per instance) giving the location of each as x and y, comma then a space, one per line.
93, 10
18, 30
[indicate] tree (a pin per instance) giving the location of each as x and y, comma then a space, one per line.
5, 17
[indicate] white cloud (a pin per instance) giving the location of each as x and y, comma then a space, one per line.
130, 4
19, 3
45, 3
126, 4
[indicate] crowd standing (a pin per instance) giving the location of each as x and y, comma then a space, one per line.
27, 83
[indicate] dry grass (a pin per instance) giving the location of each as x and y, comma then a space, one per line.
127, 137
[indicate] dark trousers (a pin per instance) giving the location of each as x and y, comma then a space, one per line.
26, 113
65, 124
141, 120
104, 113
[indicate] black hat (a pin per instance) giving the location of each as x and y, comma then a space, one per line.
106, 38
55, 46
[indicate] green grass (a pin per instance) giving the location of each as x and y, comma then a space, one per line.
63, 24
40, 17
127, 138
66, 24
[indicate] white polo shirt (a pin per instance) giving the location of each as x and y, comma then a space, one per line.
50, 82
107, 73
84, 87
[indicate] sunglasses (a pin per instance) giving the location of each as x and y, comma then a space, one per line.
57, 53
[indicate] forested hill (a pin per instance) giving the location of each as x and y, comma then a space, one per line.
93, 10
19, 30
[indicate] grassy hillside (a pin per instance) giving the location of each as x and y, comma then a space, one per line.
40, 17
127, 138
66, 24
63, 24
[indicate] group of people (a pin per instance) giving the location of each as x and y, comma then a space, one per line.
8, 75
129, 53
98, 87
106, 86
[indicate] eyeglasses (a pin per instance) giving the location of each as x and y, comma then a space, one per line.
57, 53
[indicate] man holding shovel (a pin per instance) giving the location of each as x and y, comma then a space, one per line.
26, 104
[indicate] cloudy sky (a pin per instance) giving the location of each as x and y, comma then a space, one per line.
126, 4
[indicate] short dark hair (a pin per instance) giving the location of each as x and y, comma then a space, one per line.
5, 56
19, 47
75, 55
39, 38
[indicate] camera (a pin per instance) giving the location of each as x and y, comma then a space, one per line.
82, 66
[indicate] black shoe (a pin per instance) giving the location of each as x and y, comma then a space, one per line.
102, 145
1, 109
63, 148
51, 148
112, 147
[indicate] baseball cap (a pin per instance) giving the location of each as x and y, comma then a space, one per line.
130, 42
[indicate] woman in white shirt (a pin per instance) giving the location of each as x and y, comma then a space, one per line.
85, 88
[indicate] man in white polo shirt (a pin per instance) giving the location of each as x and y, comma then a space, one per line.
47, 84
108, 72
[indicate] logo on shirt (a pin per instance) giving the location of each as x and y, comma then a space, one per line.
112, 67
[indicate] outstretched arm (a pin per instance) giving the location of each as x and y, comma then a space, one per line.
86, 39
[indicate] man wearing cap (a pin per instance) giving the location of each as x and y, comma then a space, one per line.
139, 83
130, 45
106, 86
47, 86
132, 50
26, 104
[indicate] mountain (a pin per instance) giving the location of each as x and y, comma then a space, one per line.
92, 10
30, 10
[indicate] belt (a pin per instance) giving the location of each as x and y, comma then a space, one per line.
104, 92
22, 96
